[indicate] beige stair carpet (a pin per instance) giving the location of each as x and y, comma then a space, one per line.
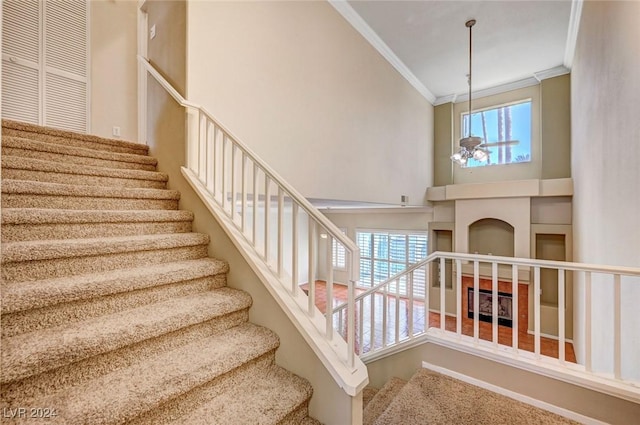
433, 398
111, 310
381, 400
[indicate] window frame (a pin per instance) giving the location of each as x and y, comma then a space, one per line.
512, 171
373, 258
495, 107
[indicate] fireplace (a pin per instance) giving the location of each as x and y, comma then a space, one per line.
505, 306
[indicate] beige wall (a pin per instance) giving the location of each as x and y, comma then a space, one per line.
113, 68
555, 98
166, 141
577, 399
309, 95
443, 144
606, 146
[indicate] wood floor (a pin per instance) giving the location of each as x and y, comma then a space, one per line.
548, 346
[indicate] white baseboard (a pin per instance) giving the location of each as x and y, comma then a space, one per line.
516, 396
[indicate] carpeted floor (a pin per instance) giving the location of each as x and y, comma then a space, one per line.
111, 310
432, 398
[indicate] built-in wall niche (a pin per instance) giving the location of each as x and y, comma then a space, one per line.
552, 242
490, 236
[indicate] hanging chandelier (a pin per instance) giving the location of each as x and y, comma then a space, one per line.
470, 146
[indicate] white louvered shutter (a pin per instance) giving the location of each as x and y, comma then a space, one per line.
44, 52
21, 61
65, 64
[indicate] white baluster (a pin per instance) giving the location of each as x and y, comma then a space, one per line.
476, 302
442, 295
459, 299
312, 271
617, 326
587, 322
561, 318
514, 305
494, 305
536, 308
329, 290
294, 249
280, 230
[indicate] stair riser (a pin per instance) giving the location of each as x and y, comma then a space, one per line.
19, 200
59, 267
295, 417
72, 141
78, 160
19, 392
51, 177
30, 232
172, 410
36, 319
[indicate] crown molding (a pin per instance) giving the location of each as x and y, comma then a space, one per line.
490, 91
502, 88
572, 32
356, 21
452, 98
550, 73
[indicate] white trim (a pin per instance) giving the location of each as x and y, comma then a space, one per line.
142, 25
571, 373
552, 72
502, 88
514, 395
572, 32
370, 35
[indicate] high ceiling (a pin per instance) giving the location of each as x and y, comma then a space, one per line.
428, 41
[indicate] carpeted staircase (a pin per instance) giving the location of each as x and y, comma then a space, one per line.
432, 398
111, 310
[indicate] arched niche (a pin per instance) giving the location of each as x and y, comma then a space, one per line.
491, 236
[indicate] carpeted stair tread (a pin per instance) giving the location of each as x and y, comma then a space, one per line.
367, 394
21, 147
44, 188
430, 397
23, 224
382, 399
34, 194
66, 248
55, 135
36, 352
21, 296
126, 393
38, 216
266, 399
20, 168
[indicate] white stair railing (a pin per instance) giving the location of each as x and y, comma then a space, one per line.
275, 228
406, 310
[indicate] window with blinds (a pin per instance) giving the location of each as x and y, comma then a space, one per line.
339, 254
44, 62
386, 253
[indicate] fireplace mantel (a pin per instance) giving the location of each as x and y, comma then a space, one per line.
502, 189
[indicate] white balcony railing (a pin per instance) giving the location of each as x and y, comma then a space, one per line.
275, 228
399, 312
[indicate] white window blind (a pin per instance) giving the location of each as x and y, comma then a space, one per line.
339, 254
386, 253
